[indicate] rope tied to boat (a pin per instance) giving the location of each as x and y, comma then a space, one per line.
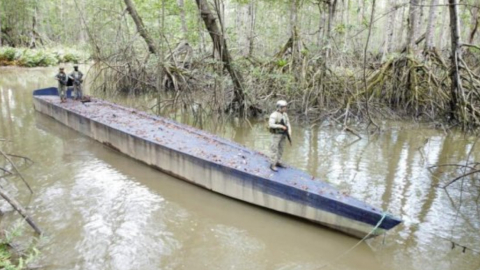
384, 215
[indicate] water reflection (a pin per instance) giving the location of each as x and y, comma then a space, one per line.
105, 211
197, 229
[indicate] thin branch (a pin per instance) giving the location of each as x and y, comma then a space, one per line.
447, 5
470, 45
16, 169
460, 177
352, 131
454, 165
22, 157
5, 170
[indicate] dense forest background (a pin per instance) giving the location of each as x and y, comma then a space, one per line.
343, 60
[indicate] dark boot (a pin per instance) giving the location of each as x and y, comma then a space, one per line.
281, 165
273, 168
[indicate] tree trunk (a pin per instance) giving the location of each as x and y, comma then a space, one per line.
455, 89
420, 18
83, 34
251, 35
412, 25
140, 26
295, 48
347, 25
181, 6
359, 7
367, 98
429, 33
160, 85
443, 30
33, 32
62, 21
387, 48
201, 35
364, 9
220, 46
1, 28
331, 13
293, 17
239, 26
400, 37
474, 24
322, 26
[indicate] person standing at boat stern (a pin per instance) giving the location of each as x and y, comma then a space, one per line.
61, 77
279, 126
77, 77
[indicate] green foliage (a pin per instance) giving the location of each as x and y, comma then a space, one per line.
71, 57
365, 22
38, 57
340, 28
243, 2
5, 257
33, 58
464, 17
15, 231
8, 259
282, 62
8, 53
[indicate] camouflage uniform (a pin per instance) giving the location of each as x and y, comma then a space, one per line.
77, 77
279, 137
62, 84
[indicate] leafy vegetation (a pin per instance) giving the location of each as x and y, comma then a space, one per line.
338, 60
38, 57
14, 258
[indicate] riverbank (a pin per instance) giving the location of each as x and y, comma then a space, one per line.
401, 87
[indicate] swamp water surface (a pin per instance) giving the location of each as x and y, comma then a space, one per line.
103, 210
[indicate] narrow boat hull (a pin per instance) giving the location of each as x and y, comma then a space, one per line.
215, 164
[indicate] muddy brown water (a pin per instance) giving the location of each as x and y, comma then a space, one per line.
103, 210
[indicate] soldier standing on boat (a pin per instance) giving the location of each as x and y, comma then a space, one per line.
77, 77
279, 126
61, 77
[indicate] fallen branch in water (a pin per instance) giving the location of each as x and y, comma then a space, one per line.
16, 205
455, 165
460, 177
7, 172
472, 166
348, 129
20, 210
16, 169
22, 157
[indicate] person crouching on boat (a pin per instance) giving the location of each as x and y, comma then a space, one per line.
61, 77
77, 78
279, 126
